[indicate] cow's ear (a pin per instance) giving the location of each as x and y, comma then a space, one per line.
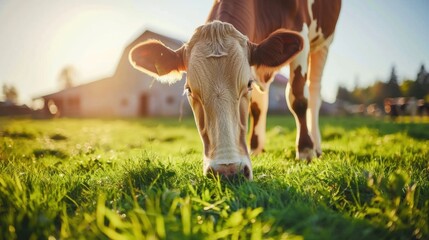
276, 50
155, 59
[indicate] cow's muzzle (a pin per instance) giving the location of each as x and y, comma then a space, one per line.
229, 170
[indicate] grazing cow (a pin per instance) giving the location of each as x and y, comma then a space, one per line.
242, 45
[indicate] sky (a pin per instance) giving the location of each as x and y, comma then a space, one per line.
38, 38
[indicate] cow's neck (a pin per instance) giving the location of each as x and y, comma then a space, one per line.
240, 13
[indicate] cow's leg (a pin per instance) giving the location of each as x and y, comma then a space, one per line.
317, 63
258, 110
297, 102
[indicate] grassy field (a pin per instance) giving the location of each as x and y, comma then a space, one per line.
137, 179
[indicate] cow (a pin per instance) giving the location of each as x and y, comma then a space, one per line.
239, 49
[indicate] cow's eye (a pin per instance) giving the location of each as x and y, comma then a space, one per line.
187, 91
249, 85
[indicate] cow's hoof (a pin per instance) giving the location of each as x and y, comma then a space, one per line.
307, 154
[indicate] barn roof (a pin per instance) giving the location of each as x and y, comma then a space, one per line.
81, 86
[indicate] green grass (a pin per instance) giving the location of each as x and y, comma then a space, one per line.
137, 179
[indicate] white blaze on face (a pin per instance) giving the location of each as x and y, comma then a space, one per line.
217, 82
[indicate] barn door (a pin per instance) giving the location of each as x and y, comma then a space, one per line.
144, 105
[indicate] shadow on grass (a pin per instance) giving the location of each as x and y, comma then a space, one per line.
58, 137
145, 178
285, 208
40, 153
16, 135
291, 211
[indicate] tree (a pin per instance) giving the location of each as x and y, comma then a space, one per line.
344, 94
392, 86
67, 77
10, 94
420, 88
377, 93
407, 87
422, 76
359, 95
393, 77
380, 90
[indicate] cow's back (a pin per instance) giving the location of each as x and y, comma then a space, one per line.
258, 18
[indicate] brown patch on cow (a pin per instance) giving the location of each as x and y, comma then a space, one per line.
256, 112
273, 15
326, 12
298, 82
246, 171
254, 142
240, 13
299, 106
304, 141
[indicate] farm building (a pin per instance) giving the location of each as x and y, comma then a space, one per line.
128, 93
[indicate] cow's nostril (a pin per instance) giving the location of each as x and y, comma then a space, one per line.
246, 172
229, 171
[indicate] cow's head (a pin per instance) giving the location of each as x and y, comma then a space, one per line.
218, 62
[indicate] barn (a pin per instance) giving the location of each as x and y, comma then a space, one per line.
128, 93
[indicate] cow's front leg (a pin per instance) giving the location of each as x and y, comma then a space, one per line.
258, 116
298, 104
